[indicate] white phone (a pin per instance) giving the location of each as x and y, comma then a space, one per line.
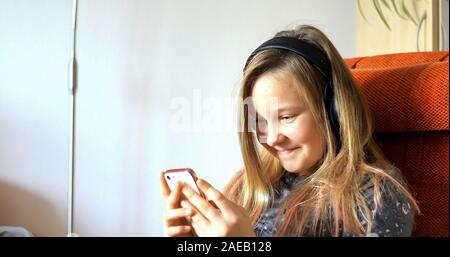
185, 175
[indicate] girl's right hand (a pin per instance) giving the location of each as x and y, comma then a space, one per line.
175, 223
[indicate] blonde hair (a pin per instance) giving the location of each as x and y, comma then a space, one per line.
331, 196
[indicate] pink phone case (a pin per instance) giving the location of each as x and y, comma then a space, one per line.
185, 175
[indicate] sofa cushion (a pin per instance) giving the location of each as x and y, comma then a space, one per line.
396, 60
408, 97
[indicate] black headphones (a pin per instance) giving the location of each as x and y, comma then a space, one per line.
320, 61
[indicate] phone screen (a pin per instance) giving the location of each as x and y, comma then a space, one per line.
185, 175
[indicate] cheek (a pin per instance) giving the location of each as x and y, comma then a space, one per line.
306, 132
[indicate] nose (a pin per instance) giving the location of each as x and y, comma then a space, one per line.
274, 136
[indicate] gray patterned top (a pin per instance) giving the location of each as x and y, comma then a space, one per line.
394, 219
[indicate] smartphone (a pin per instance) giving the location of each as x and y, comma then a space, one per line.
185, 175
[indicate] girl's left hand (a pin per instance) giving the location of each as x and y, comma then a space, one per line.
227, 219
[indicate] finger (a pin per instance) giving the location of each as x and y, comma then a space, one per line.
199, 222
172, 214
200, 228
164, 187
174, 197
216, 196
177, 230
201, 204
196, 215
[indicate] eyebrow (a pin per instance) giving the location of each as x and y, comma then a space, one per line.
283, 108
288, 107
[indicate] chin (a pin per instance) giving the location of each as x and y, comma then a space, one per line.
292, 168
297, 166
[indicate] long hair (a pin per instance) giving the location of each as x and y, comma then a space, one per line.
333, 194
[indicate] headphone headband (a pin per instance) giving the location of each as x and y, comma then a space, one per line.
307, 50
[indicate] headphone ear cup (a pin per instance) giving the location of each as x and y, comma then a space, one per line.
331, 105
334, 113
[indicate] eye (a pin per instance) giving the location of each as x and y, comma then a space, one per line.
258, 122
261, 120
261, 124
287, 118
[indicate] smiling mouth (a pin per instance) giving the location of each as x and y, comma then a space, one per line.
287, 151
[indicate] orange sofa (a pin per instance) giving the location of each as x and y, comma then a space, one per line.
408, 96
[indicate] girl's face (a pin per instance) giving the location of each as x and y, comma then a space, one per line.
285, 125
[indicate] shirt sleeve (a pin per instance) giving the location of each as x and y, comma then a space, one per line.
394, 218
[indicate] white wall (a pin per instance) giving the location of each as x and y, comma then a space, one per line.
136, 58
34, 47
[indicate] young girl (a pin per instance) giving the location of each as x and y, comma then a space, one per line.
311, 166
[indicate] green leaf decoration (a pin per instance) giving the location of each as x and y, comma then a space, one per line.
361, 11
377, 5
396, 10
408, 14
386, 4
397, 6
